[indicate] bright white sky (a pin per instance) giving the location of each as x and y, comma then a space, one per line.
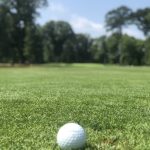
87, 16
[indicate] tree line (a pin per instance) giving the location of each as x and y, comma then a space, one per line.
24, 41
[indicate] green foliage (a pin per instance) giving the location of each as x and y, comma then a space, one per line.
48, 50
23, 41
22, 14
5, 34
61, 44
99, 50
132, 51
69, 51
83, 45
113, 43
147, 51
117, 18
33, 50
58, 33
142, 19
110, 102
29, 43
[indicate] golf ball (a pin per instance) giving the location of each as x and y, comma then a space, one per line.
71, 136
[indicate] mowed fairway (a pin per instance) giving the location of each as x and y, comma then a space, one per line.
111, 102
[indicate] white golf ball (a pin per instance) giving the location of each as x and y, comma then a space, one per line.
71, 136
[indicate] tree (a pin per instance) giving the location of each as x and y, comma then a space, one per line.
5, 34
99, 50
69, 51
147, 51
83, 45
48, 51
33, 49
113, 48
132, 52
115, 21
55, 34
22, 13
142, 19
48, 35
117, 18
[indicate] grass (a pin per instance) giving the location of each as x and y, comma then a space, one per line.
112, 103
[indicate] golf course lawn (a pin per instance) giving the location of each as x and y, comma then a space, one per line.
112, 103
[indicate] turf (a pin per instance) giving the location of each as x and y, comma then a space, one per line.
112, 103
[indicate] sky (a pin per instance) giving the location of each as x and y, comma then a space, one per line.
88, 16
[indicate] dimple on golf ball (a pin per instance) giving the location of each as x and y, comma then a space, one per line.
71, 136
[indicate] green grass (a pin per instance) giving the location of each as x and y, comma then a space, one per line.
112, 103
